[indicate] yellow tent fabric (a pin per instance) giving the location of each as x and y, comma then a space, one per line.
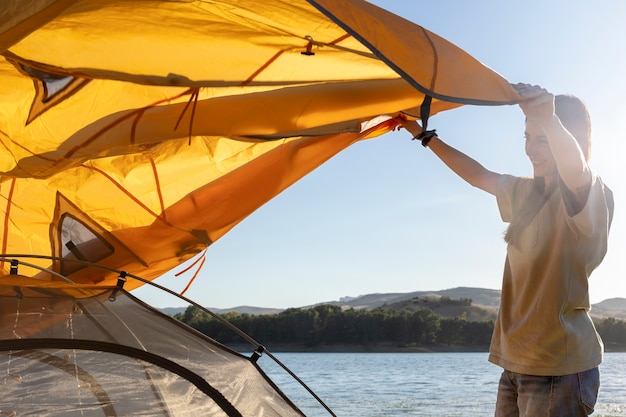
136, 133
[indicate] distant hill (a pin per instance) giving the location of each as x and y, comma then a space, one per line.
447, 307
613, 307
479, 297
484, 304
241, 310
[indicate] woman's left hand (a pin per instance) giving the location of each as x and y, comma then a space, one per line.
539, 103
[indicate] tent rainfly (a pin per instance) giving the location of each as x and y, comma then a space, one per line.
135, 134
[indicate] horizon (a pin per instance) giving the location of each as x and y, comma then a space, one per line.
339, 300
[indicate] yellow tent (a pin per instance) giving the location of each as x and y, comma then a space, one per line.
136, 133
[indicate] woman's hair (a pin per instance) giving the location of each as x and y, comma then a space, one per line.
575, 118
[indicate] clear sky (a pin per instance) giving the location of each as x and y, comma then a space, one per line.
387, 216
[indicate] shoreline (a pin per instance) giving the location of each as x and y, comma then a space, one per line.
370, 348
374, 348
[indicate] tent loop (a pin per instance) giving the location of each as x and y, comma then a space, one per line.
309, 46
426, 134
425, 111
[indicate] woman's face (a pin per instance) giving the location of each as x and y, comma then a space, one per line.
538, 151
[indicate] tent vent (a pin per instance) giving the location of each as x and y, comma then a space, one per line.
81, 243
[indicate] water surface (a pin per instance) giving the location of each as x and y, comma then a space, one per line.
415, 384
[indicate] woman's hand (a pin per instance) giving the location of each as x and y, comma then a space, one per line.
539, 103
413, 127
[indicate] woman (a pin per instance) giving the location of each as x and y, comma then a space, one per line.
558, 230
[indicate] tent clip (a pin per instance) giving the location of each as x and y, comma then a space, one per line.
257, 354
14, 264
121, 280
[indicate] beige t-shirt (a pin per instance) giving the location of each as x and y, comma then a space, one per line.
543, 325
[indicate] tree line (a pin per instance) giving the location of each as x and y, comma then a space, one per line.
327, 325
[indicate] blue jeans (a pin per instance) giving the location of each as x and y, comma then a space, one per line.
572, 395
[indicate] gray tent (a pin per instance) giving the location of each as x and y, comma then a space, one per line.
75, 350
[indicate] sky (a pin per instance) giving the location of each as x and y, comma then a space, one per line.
386, 216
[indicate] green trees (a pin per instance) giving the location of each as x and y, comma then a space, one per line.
613, 333
327, 325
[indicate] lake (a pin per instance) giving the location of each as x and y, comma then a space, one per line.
415, 384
